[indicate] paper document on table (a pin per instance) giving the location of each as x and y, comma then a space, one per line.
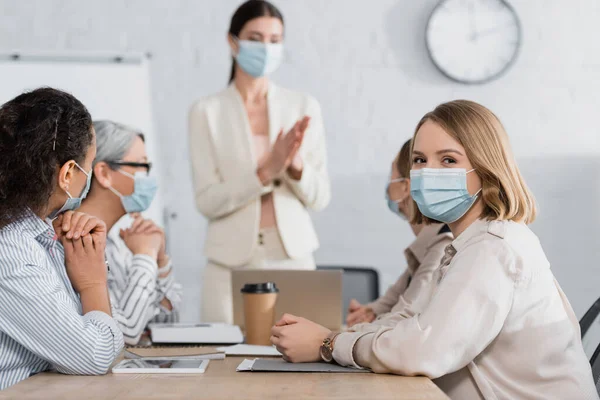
250, 350
279, 365
245, 365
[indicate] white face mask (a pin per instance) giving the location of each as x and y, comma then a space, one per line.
393, 204
441, 194
259, 59
73, 203
144, 190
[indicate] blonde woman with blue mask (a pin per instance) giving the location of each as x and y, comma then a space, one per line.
409, 294
141, 282
258, 162
498, 325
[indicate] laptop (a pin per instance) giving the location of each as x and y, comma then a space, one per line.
314, 295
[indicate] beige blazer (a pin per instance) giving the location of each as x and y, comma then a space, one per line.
498, 326
227, 189
423, 256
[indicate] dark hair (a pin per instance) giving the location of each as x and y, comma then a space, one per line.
246, 12
39, 131
403, 161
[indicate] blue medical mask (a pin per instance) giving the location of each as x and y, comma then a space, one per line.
441, 194
258, 58
73, 203
144, 190
393, 204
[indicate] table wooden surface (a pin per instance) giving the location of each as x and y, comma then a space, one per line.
220, 381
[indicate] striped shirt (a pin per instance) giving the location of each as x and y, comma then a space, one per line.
41, 321
136, 289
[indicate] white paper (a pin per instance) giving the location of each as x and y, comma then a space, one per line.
245, 365
250, 350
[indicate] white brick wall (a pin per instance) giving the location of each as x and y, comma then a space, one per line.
366, 62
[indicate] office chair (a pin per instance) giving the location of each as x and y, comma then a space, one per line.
358, 283
595, 361
589, 317
590, 329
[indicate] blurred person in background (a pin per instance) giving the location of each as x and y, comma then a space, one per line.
258, 163
141, 282
410, 293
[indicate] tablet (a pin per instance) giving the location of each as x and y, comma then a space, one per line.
160, 366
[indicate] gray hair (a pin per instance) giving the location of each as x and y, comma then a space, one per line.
113, 140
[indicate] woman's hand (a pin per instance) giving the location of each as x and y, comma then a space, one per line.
166, 303
84, 255
298, 339
143, 237
283, 152
149, 227
74, 225
357, 313
296, 167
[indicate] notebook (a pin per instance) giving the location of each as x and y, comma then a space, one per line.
279, 365
188, 353
250, 350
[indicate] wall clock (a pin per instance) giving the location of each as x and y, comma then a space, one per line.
473, 41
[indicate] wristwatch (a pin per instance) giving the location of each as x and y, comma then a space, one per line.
327, 347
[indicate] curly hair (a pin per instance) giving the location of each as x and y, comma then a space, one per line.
39, 132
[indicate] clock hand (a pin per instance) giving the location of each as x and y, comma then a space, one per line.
472, 24
490, 31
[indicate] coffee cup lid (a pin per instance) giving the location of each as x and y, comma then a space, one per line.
259, 288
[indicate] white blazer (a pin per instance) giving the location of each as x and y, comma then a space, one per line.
227, 187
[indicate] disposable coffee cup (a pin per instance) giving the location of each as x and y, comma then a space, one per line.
259, 311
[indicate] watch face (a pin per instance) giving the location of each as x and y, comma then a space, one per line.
326, 354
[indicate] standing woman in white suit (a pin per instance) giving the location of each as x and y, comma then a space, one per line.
259, 163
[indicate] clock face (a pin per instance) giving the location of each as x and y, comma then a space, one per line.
473, 41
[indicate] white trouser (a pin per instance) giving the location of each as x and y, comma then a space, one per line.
217, 303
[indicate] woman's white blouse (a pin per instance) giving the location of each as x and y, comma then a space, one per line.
136, 290
41, 321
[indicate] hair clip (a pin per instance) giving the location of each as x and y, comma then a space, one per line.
55, 134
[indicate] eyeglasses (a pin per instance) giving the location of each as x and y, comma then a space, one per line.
117, 164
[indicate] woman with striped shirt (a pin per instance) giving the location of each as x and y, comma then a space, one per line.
140, 281
54, 307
